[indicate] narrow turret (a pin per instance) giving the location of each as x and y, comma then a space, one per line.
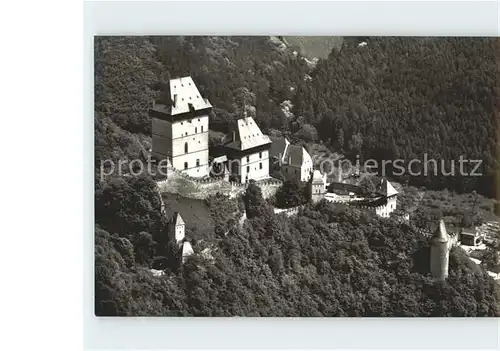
440, 251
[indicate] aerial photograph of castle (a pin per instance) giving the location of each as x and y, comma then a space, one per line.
281, 176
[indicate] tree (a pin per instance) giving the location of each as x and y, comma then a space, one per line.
290, 194
144, 248
367, 186
255, 204
308, 133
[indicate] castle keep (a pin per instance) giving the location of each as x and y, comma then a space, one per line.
180, 128
248, 151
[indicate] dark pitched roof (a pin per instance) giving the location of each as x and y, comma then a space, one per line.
248, 135
186, 96
386, 189
177, 220
440, 235
294, 155
278, 146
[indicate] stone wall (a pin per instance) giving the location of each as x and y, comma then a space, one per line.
180, 183
289, 211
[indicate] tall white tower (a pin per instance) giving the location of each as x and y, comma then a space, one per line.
178, 227
440, 253
180, 128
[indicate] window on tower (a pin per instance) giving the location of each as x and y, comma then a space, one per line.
195, 130
248, 159
260, 165
185, 165
197, 162
202, 129
186, 148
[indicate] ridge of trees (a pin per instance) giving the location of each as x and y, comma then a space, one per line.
326, 261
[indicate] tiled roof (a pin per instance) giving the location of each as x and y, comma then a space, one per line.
279, 146
248, 135
440, 235
187, 249
387, 189
185, 97
296, 155
178, 219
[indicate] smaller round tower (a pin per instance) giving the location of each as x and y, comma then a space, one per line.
440, 253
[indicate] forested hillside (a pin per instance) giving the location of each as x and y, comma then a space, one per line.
405, 97
393, 98
327, 261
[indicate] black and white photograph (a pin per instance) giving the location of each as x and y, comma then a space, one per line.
296, 176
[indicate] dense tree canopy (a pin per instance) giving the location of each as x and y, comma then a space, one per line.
327, 261
406, 97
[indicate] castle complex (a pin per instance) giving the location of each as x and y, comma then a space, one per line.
180, 134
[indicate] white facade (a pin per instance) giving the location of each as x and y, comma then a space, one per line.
185, 144
253, 166
298, 173
179, 227
386, 210
180, 129
318, 186
180, 231
248, 151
